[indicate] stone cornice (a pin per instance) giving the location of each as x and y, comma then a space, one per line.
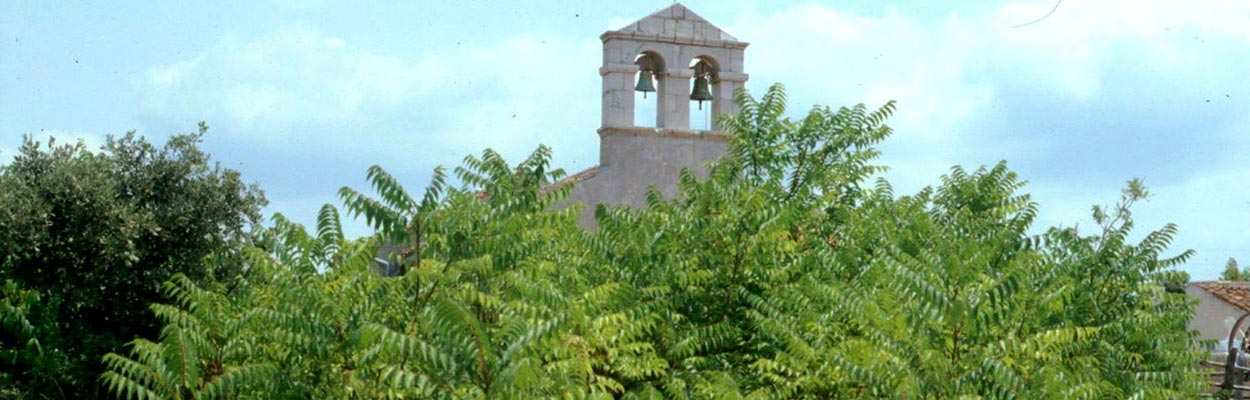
606, 36
680, 74
732, 76
664, 132
618, 68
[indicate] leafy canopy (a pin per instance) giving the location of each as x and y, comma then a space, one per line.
785, 274
88, 237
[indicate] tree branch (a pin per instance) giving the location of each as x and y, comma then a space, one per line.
1052, 11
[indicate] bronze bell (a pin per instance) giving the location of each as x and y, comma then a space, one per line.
701, 91
644, 83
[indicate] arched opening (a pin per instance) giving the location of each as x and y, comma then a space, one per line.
702, 92
646, 90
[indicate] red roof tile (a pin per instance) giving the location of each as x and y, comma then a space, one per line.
575, 178
1235, 293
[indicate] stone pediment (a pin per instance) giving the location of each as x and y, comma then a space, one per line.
676, 24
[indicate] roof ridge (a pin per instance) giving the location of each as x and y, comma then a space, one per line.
572, 179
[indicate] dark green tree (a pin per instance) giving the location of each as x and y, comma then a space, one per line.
94, 234
1232, 272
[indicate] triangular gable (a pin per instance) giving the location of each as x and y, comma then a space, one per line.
676, 22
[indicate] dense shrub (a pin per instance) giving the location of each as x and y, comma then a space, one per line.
87, 238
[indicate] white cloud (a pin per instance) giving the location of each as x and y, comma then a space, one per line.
291, 77
536, 90
246, 103
303, 86
160, 77
967, 85
950, 74
973, 90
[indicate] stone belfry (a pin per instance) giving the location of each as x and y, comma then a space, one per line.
677, 48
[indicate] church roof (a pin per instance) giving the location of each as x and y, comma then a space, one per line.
1236, 294
676, 24
573, 179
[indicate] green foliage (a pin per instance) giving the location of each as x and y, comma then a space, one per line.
1232, 273
90, 237
785, 274
28, 365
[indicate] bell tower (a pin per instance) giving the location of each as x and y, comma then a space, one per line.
674, 45
681, 58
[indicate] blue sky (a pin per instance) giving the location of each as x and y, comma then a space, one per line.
303, 96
